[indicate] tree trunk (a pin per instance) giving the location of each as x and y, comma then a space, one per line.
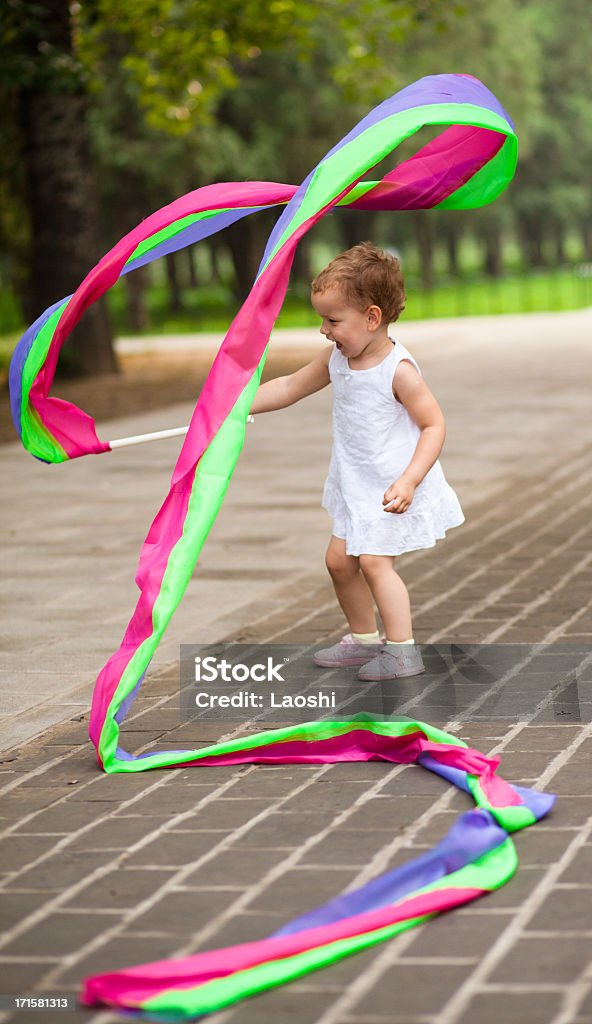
425, 244
531, 242
246, 241
586, 230
355, 225
559, 238
301, 266
452, 237
493, 253
192, 267
136, 283
61, 200
213, 248
175, 293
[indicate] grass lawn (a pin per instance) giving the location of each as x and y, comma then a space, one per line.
212, 308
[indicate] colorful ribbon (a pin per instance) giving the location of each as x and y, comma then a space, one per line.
468, 165
476, 857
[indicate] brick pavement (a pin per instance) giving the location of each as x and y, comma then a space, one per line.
101, 872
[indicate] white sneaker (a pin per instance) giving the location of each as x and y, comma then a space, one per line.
393, 663
347, 652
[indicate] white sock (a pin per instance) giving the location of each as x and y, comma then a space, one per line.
367, 638
399, 643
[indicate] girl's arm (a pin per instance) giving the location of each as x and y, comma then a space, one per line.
284, 391
411, 390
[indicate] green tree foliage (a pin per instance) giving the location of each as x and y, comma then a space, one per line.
185, 92
553, 190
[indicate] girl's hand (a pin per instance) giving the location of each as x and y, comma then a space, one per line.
399, 495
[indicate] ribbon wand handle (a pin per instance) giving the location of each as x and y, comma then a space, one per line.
157, 435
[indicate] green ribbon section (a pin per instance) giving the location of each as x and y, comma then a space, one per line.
308, 732
336, 172
488, 872
513, 817
210, 483
35, 436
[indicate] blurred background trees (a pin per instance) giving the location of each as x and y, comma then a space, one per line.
110, 111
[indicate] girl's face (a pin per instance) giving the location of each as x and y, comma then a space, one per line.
350, 329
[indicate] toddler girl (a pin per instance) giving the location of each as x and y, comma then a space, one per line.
385, 490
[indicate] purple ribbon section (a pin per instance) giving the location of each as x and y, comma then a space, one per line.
432, 89
472, 835
19, 358
191, 234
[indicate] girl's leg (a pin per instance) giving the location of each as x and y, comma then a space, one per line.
391, 595
351, 588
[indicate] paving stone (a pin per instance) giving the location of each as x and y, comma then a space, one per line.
437, 826
245, 926
415, 781
17, 804
209, 775
118, 953
302, 889
569, 909
347, 846
170, 799
284, 829
61, 933
156, 722
327, 797
514, 892
573, 780
524, 765
516, 1007
241, 867
585, 1010
118, 833
543, 960
68, 733
456, 936
73, 771
388, 813
224, 814
402, 855
283, 1004
20, 978
184, 913
58, 871
18, 851
343, 972
64, 818
35, 755
175, 849
568, 812
357, 771
553, 739
121, 887
565, 712
14, 906
580, 869
540, 847
405, 984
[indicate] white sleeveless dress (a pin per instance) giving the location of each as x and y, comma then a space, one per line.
374, 439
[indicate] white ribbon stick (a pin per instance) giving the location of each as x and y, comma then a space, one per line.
158, 435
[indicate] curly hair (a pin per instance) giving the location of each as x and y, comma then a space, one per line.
367, 276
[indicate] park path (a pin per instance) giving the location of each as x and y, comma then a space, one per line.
101, 872
515, 391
